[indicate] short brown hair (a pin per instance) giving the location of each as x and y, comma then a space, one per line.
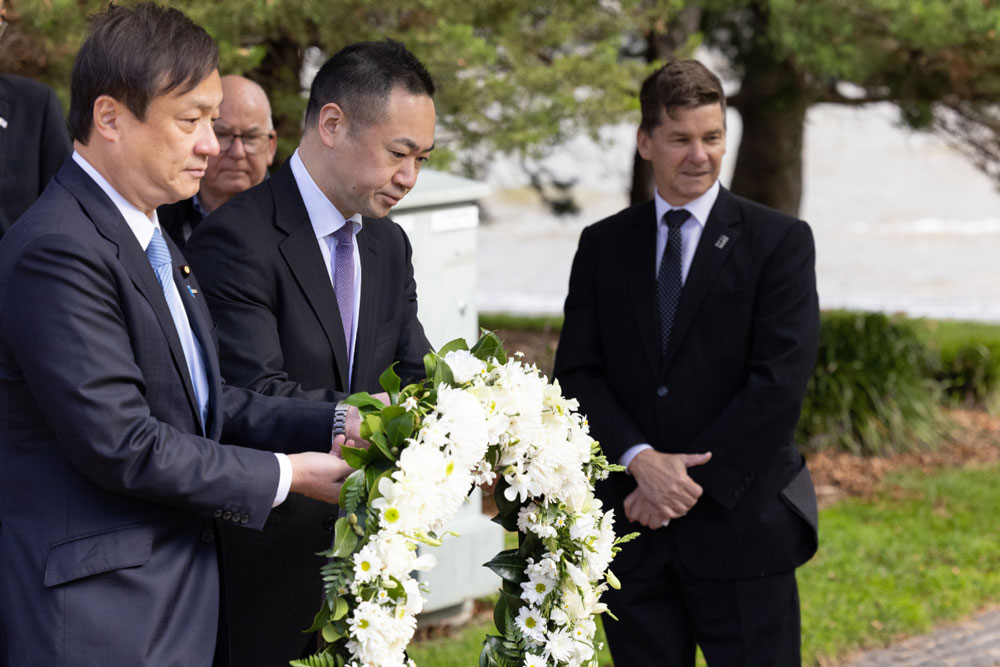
680, 85
133, 54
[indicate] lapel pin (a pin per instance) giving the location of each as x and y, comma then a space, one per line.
721, 243
192, 290
185, 270
3, 123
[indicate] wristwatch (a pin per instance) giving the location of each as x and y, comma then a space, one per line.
340, 418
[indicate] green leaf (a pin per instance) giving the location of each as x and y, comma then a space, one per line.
400, 429
489, 346
353, 491
322, 618
340, 609
443, 374
355, 457
364, 400
496, 654
506, 509
509, 566
370, 425
318, 660
331, 633
382, 447
430, 363
344, 538
451, 346
390, 381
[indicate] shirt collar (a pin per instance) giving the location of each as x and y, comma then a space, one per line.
699, 208
140, 224
323, 215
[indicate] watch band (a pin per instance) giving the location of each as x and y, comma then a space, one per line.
340, 418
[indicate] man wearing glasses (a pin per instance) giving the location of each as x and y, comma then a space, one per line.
247, 143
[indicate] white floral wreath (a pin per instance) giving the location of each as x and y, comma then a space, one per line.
476, 416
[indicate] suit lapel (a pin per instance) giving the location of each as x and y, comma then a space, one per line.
300, 250
640, 264
109, 222
200, 321
371, 291
724, 220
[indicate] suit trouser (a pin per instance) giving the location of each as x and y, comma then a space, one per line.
664, 611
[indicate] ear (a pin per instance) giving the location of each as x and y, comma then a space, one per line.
272, 147
644, 143
332, 124
107, 115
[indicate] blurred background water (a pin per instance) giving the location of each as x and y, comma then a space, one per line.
903, 222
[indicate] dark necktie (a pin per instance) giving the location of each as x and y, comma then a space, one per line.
343, 280
668, 280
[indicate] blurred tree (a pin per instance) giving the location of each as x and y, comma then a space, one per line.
523, 76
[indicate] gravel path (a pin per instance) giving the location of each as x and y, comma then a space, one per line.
975, 643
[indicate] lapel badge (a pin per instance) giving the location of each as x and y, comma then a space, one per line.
3, 123
185, 270
721, 243
192, 290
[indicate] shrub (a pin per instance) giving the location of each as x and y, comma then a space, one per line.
967, 360
870, 393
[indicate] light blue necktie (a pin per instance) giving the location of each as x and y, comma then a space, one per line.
159, 257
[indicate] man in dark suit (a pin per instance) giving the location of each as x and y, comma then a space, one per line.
691, 331
247, 143
111, 471
33, 140
313, 291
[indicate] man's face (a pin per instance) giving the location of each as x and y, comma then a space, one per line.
163, 158
686, 151
245, 112
374, 167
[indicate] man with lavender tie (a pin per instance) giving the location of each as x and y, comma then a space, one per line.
312, 290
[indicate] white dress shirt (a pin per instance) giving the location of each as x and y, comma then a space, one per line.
142, 227
691, 230
326, 220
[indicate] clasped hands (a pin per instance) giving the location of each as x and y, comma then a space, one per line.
321, 475
665, 490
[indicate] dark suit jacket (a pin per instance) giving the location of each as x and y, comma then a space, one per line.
174, 216
32, 146
281, 334
731, 381
108, 483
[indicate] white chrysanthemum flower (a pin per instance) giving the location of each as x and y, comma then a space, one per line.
559, 645
367, 564
530, 621
464, 365
532, 660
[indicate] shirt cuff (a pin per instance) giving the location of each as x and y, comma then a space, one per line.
284, 478
631, 453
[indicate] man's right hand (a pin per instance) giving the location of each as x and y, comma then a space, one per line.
665, 490
318, 475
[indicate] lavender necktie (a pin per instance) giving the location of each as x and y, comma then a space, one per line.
343, 280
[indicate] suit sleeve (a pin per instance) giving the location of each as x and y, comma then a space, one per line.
413, 343
76, 356
580, 358
761, 417
55, 142
240, 291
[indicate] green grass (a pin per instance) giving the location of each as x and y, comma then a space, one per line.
926, 551
494, 321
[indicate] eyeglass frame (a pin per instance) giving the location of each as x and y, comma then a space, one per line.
226, 145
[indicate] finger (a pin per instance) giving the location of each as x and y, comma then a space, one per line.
338, 442
691, 460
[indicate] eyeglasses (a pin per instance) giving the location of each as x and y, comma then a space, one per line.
252, 143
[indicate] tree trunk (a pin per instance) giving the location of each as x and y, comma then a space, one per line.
772, 102
661, 47
279, 73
